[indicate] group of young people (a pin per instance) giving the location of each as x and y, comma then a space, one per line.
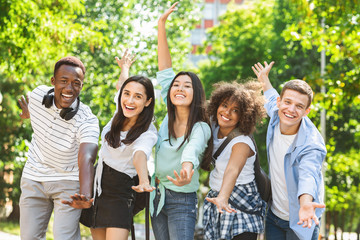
64, 147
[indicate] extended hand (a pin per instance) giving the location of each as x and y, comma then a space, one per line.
164, 17
126, 60
145, 187
24, 107
183, 179
307, 214
79, 201
221, 204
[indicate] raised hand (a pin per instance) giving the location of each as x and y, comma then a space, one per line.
145, 187
79, 201
221, 204
24, 107
183, 179
307, 214
126, 60
262, 74
166, 14
124, 63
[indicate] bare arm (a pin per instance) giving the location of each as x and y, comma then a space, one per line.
86, 160
140, 165
239, 154
124, 63
307, 210
262, 74
164, 57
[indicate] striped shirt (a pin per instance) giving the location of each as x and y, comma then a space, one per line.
53, 151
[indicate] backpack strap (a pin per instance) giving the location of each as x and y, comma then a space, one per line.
234, 133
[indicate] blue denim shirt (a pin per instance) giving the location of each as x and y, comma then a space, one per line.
302, 164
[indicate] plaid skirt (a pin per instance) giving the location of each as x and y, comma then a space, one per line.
248, 218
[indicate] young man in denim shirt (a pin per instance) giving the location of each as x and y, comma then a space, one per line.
295, 151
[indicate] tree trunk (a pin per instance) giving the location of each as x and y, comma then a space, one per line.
15, 214
342, 224
328, 224
335, 216
358, 231
350, 227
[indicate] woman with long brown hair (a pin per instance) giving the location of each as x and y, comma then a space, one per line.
183, 139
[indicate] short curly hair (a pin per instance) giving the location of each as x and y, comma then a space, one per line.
248, 98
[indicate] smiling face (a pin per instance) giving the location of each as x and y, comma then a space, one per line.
133, 100
67, 82
292, 108
227, 116
181, 91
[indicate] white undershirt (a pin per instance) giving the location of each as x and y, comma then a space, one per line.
277, 150
217, 174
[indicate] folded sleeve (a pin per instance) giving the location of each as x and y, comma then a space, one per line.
89, 130
165, 78
271, 96
310, 178
197, 144
116, 97
146, 141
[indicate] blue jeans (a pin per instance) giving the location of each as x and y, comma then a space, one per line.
278, 229
177, 219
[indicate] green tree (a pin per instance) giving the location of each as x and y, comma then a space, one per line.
291, 34
35, 34
333, 27
242, 38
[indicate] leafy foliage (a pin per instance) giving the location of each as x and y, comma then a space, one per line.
34, 34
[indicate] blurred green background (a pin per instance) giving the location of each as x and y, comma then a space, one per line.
34, 34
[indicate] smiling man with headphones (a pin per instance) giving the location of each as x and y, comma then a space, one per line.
61, 155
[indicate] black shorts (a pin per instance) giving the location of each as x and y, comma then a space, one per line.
114, 207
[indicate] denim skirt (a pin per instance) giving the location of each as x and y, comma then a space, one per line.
114, 207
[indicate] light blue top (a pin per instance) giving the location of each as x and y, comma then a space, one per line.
302, 163
168, 158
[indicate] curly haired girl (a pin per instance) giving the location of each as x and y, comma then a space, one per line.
232, 181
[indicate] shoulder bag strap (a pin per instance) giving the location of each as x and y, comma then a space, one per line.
147, 221
234, 133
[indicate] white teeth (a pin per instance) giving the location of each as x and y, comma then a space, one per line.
181, 96
226, 119
289, 116
67, 96
131, 108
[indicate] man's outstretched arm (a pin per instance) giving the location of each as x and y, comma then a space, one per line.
86, 160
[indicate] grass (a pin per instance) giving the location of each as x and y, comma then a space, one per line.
10, 227
14, 228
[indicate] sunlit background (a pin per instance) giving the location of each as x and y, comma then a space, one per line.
314, 40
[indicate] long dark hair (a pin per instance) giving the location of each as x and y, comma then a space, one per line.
142, 122
197, 114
